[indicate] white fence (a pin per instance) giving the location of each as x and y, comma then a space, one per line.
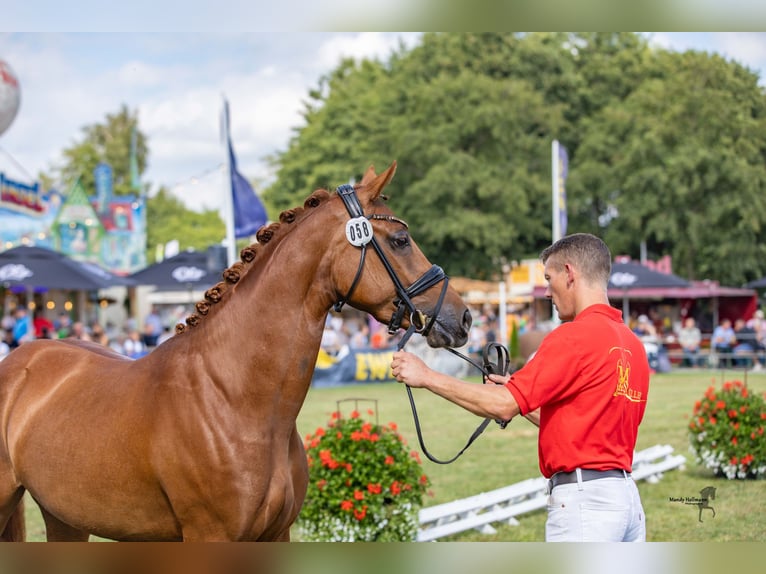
505, 504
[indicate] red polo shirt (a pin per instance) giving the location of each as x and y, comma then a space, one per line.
590, 378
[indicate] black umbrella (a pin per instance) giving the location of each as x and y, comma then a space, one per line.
41, 267
630, 275
187, 270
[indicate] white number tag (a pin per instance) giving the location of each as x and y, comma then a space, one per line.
358, 231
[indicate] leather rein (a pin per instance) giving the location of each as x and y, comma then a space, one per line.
359, 233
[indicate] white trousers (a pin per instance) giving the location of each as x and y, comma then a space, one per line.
601, 510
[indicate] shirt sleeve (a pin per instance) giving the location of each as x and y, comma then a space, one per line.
549, 375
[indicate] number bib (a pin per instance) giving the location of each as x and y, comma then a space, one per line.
358, 231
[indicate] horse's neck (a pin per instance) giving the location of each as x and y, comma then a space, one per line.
263, 337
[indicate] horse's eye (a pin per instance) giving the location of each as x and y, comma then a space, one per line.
400, 240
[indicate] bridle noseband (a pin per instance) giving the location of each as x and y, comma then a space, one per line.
419, 322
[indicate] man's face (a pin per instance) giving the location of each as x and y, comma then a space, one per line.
558, 289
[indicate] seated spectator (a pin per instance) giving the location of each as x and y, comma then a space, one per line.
645, 329
723, 341
690, 338
746, 344
134, 346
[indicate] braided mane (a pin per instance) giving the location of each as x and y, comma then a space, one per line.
273, 232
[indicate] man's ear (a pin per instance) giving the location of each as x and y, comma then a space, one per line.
571, 273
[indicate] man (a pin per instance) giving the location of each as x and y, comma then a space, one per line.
690, 339
586, 389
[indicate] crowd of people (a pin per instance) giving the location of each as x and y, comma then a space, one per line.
131, 340
741, 343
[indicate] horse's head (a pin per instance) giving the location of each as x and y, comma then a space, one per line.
381, 270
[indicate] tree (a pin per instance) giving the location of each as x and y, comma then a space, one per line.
168, 219
680, 166
665, 149
109, 143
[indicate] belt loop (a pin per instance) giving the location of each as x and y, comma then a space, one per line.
578, 471
625, 474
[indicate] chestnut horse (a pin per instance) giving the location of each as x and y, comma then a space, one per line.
198, 439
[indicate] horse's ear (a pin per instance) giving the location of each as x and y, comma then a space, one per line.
373, 185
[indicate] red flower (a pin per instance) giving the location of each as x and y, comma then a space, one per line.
712, 420
423, 479
734, 440
374, 488
360, 513
346, 505
392, 426
743, 409
321, 483
720, 405
733, 460
389, 460
319, 432
354, 414
348, 467
374, 437
356, 436
336, 415
745, 392
358, 495
763, 416
732, 413
395, 488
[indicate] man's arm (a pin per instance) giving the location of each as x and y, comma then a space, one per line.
489, 401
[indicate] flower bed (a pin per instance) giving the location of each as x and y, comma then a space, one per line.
727, 431
364, 483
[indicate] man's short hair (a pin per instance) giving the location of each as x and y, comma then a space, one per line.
586, 252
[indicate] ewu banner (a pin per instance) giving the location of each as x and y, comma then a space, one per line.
353, 367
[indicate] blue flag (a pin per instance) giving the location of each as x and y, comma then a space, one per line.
249, 211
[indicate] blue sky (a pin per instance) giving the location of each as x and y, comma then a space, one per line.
176, 81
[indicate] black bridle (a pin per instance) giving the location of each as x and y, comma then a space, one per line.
419, 322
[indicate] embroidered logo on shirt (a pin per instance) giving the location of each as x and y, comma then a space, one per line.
623, 376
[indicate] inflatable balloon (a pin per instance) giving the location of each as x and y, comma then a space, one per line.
10, 96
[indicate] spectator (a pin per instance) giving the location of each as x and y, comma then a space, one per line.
690, 338
79, 332
43, 326
134, 346
5, 343
23, 329
152, 328
722, 342
98, 334
63, 325
746, 345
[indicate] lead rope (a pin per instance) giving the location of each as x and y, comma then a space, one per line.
499, 368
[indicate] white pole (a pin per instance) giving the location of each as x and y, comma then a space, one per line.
503, 315
228, 200
556, 219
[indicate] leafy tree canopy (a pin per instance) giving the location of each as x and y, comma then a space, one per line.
665, 148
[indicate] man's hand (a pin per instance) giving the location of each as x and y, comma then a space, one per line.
410, 369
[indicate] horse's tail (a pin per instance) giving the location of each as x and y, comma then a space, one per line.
15, 529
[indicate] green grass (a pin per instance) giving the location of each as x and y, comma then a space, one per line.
502, 457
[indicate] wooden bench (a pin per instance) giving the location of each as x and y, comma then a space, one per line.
504, 504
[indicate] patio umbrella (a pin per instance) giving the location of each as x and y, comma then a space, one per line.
631, 278
38, 267
757, 284
187, 270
